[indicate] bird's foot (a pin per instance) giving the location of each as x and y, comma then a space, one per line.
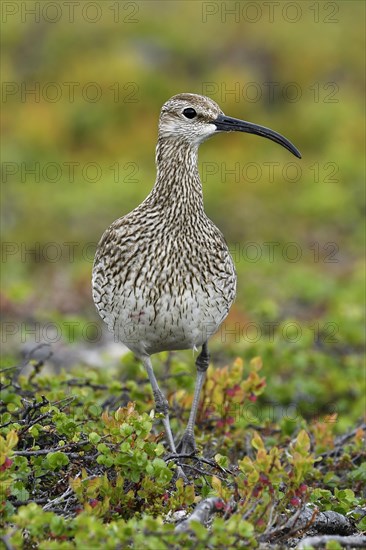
187, 444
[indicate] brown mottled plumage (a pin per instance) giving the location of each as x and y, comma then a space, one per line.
163, 278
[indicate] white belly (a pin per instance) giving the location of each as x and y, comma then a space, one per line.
176, 321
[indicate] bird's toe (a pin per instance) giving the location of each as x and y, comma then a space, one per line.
187, 445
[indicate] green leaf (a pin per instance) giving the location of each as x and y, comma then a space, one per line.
257, 441
222, 460
303, 442
57, 460
333, 545
94, 438
361, 525
359, 474
18, 490
12, 439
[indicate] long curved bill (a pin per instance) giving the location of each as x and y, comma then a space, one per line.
228, 124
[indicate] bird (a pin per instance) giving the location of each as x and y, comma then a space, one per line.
163, 278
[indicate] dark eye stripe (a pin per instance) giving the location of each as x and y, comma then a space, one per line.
189, 112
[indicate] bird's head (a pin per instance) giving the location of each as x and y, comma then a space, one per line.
194, 118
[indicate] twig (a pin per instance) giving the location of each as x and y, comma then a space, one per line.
201, 472
58, 499
80, 383
323, 522
287, 529
342, 440
33, 407
353, 541
211, 463
18, 503
5, 369
67, 400
54, 450
271, 521
201, 513
35, 421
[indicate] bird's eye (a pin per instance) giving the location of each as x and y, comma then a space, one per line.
189, 112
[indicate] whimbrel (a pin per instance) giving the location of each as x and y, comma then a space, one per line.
163, 277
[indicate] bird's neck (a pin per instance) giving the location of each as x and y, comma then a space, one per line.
177, 182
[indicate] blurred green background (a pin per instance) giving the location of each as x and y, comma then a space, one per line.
81, 93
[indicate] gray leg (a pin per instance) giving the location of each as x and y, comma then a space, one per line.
161, 403
188, 444
162, 406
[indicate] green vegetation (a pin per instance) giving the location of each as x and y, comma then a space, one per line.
83, 462
73, 476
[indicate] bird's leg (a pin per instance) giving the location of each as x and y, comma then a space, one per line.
162, 406
161, 403
188, 444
